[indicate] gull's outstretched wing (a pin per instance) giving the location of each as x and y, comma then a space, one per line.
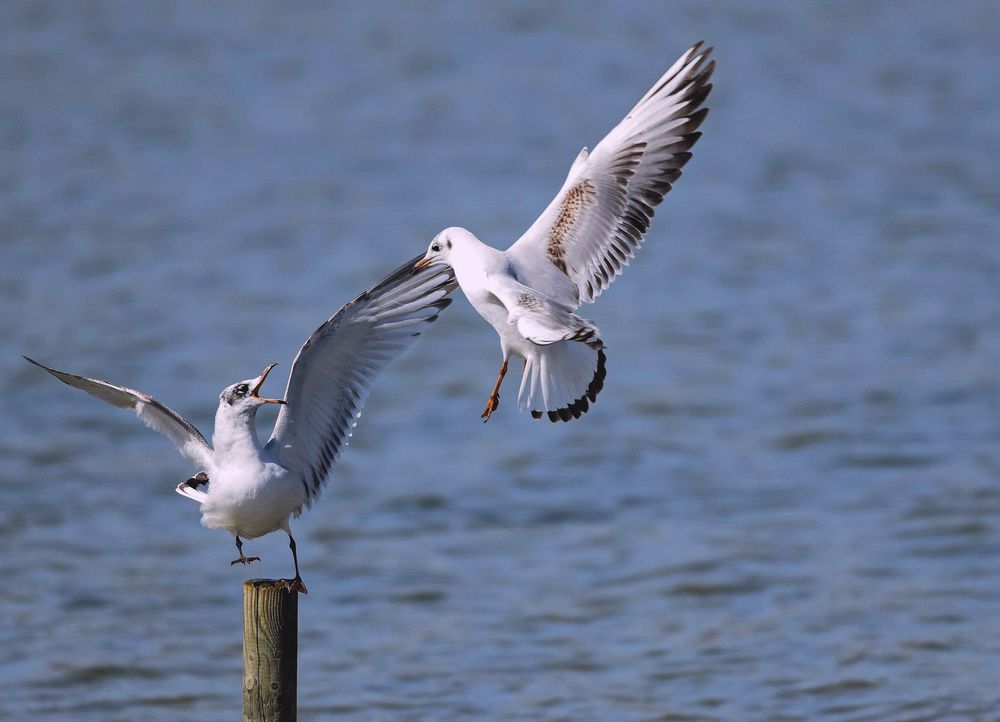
334, 370
596, 223
151, 412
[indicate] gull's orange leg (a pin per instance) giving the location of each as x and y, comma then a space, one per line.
494, 400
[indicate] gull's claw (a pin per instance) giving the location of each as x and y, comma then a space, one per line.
491, 406
244, 560
295, 585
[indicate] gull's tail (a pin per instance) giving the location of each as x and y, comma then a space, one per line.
564, 377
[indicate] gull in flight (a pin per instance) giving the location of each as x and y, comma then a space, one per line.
252, 489
579, 244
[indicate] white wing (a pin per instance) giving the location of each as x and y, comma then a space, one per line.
151, 412
594, 226
334, 370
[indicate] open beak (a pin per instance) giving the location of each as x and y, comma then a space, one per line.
423, 262
260, 382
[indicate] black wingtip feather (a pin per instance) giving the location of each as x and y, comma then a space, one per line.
698, 97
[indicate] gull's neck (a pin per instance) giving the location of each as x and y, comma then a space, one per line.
235, 435
473, 261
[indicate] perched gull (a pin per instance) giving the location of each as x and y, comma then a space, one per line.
251, 489
578, 245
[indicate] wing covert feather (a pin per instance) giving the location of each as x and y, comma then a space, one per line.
596, 223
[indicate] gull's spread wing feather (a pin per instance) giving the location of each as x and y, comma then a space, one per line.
596, 223
334, 370
151, 412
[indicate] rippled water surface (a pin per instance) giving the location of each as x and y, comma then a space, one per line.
785, 504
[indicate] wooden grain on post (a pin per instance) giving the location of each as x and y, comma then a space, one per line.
270, 651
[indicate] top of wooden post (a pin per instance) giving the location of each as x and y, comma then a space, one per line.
263, 583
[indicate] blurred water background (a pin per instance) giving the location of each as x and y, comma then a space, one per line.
784, 505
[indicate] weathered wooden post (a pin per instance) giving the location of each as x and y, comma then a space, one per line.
270, 651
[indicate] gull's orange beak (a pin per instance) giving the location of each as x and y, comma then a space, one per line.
423, 263
260, 382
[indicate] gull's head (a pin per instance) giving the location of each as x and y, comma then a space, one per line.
244, 396
445, 246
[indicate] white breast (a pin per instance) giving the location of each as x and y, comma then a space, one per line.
252, 503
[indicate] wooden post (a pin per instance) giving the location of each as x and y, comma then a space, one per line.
270, 651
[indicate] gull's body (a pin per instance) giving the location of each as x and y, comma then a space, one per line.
252, 489
251, 493
592, 228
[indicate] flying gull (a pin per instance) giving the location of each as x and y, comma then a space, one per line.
579, 244
252, 489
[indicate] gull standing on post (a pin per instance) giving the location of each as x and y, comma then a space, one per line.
578, 245
252, 489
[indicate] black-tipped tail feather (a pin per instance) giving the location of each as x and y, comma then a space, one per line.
579, 407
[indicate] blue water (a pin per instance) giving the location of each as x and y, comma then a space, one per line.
784, 505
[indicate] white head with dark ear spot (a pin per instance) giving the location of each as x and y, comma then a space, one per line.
446, 245
244, 397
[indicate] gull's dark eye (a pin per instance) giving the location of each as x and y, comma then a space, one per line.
242, 390
436, 247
